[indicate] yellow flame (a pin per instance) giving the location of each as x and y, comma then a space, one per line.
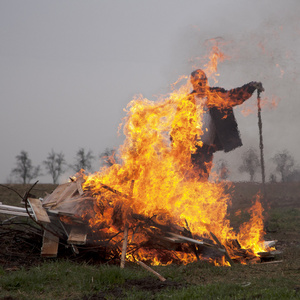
164, 183
251, 233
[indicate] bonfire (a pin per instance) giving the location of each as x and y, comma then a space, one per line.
149, 206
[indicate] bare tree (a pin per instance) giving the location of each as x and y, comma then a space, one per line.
108, 157
24, 170
83, 160
222, 169
294, 175
273, 178
250, 163
55, 164
284, 164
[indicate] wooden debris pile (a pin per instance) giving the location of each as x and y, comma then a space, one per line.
65, 214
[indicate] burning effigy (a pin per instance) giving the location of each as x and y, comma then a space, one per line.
150, 206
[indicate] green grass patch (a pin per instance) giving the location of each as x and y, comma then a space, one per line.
61, 280
284, 219
67, 280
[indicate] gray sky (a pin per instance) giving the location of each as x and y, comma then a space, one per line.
69, 68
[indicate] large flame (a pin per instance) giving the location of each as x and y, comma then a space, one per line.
155, 178
251, 234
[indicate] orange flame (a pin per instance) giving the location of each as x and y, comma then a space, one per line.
251, 233
164, 183
215, 56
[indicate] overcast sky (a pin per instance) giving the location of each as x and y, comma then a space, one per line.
69, 68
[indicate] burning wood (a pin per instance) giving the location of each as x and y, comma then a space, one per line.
67, 212
169, 214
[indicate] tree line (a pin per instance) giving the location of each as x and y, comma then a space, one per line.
55, 165
285, 170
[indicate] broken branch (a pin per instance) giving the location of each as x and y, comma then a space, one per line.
161, 278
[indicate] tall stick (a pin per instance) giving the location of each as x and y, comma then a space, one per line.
124, 247
261, 145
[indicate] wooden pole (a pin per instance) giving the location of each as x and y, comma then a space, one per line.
124, 248
261, 144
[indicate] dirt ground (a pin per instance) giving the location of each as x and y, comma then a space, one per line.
21, 244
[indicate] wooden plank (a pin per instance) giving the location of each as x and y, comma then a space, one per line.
62, 192
77, 235
39, 212
68, 192
51, 199
50, 244
79, 182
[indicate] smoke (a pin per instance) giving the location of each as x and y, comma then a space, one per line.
265, 52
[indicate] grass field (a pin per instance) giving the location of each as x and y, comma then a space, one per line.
24, 275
